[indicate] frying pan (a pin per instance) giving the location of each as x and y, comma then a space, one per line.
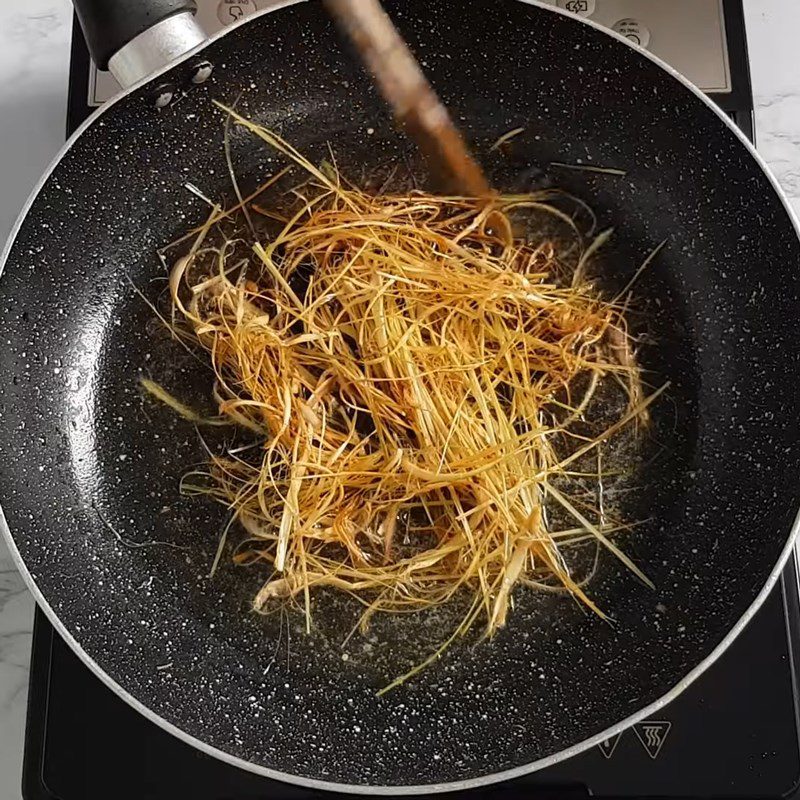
90, 470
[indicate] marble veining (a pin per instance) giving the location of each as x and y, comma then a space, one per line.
16, 615
779, 137
34, 55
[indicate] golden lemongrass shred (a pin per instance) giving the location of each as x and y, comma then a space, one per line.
589, 168
163, 396
506, 137
411, 396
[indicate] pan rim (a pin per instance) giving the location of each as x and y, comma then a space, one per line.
437, 788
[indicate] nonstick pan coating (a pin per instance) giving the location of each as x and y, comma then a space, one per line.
90, 469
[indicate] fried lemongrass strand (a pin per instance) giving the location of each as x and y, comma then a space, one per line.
590, 168
427, 395
506, 137
189, 414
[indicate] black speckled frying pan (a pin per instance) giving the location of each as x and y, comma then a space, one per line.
89, 470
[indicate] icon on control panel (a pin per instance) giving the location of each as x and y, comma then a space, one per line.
633, 30
230, 11
583, 8
652, 734
577, 6
608, 746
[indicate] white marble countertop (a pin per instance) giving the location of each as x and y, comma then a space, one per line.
34, 58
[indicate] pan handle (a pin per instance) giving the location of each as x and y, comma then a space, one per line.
134, 38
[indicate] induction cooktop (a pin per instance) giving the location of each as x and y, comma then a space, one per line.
731, 734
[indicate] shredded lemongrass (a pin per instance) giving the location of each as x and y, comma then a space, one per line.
423, 393
506, 137
590, 168
163, 396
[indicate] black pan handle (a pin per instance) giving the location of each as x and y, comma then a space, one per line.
109, 25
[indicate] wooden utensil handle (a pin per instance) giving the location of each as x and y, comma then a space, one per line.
408, 92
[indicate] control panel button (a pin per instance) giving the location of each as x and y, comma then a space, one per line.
634, 30
230, 11
583, 8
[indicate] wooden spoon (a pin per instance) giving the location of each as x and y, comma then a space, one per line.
414, 102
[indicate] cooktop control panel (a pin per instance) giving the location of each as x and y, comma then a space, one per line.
688, 34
